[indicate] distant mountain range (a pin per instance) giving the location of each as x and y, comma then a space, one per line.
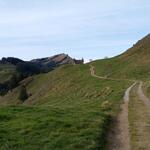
42, 64
13, 70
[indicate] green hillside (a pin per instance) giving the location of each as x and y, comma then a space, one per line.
68, 109
133, 64
6, 71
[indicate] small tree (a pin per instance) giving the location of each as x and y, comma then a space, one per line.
23, 95
13, 82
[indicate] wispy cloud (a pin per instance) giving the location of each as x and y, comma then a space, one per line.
76, 25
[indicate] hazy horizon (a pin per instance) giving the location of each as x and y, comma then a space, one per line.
91, 29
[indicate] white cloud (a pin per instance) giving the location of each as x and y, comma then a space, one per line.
72, 23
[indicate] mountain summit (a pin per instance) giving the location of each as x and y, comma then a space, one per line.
56, 60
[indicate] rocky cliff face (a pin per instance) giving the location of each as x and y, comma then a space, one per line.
55, 61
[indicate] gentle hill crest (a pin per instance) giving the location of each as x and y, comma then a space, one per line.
142, 48
132, 64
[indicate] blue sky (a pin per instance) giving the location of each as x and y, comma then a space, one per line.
90, 29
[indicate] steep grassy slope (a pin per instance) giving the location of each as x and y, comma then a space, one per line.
133, 64
6, 72
66, 111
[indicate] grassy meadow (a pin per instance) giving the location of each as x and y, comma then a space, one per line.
67, 110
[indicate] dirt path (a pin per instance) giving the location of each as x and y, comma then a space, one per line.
118, 138
139, 119
142, 97
93, 73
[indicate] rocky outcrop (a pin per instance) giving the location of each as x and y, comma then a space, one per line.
49, 63
59, 59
